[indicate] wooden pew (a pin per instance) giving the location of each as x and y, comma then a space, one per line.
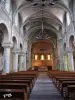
9, 79
63, 79
13, 94
64, 85
28, 82
34, 73
16, 86
17, 81
70, 92
18, 78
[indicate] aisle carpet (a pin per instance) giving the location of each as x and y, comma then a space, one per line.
44, 89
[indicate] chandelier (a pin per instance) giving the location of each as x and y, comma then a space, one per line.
42, 2
42, 34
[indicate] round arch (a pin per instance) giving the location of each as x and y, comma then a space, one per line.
42, 48
14, 42
5, 32
71, 39
4, 38
21, 47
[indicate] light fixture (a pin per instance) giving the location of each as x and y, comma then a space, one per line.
42, 57
48, 57
42, 2
36, 57
42, 34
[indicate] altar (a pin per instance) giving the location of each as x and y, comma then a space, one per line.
43, 68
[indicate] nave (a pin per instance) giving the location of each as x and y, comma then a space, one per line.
44, 89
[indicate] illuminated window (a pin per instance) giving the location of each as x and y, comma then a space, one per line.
36, 57
48, 57
42, 57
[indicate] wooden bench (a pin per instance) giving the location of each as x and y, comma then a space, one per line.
18, 78
22, 81
16, 86
64, 85
70, 92
12, 94
63, 80
28, 82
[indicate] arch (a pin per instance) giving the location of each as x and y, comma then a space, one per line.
59, 5
1, 41
71, 39
14, 42
21, 47
49, 16
4, 38
32, 30
45, 48
1, 36
64, 46
5, 32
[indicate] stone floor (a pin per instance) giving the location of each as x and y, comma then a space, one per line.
44, 89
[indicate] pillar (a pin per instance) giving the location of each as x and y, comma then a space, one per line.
21, 61
60, 54
25, 61
55, 58
7, 47
66, 62
15, 60
70, 59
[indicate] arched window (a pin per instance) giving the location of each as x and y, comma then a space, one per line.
48, 57
42, 57
36, 57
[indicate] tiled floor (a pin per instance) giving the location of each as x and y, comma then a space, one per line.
44, 89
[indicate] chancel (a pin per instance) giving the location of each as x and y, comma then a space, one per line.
37, 49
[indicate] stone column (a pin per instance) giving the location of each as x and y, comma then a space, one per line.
25, 61
7, 47
66, 61
21, 61
15, 60
25, 58
55, 59
70, 59
60, 54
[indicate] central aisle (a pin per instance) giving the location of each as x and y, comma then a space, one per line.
44, 89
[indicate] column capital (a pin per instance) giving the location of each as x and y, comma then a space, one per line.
21, 53
16, 50
7, 45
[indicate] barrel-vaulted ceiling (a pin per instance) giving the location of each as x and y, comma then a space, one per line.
32, 12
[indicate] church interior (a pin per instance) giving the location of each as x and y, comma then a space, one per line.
37, 49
